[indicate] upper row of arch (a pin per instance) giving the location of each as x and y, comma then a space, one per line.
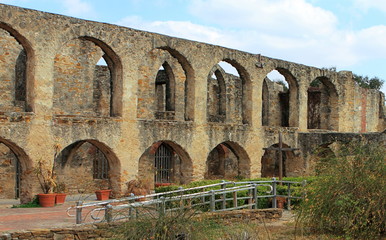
115, 65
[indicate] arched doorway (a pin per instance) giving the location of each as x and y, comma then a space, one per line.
165, 162
292, 163
227, 160
16, 175
86, 166
10, 173
323, 105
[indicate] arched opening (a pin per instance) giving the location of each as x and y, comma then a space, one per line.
15, 172
216, 110
319, 155
17, 71
322, 105
165, 162
86, 166
292, 163
87, 79
227, 161
188, 84
228, 93
10, 173
165, 93
279, 99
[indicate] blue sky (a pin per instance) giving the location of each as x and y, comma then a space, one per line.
346, 34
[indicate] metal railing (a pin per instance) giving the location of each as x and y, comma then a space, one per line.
223, 196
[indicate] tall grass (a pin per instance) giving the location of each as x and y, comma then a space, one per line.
348, 197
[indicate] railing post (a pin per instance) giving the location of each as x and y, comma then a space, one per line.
235, 199
109, 213
250, 198
131, 212
181, 200
304, 183
212, 201
289, 196
274, 193
255, 195
224, 196
162, 209
79, 212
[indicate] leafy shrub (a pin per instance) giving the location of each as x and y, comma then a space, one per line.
33, 204
348, 198
171, 225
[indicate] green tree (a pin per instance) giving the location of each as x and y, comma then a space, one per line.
366, 82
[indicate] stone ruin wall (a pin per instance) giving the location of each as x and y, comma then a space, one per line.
54, 94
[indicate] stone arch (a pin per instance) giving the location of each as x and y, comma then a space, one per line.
99, 93
322, 151
189, 94
285, 102
292, 163
26, 169
182, 166
75, 166
217, 101
165, 85
21, 100
323, 105
245, 107
228, 160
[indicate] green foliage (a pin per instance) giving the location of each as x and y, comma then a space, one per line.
156, 226
348, 198
366, 82
186, 225
33, 204
296, 190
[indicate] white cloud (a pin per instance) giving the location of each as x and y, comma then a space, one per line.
282, 17
78, 8
367, 4
293, 30
180, 29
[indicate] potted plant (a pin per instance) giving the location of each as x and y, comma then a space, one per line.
280, 202
61, 193
46, 177
103, 193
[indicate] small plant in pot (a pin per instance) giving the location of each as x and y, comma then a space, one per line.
103, 193
46, 177
61, 192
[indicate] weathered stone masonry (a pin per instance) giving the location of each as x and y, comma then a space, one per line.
58, 104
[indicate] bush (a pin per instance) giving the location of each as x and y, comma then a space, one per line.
171, 225
33, 204
348, 198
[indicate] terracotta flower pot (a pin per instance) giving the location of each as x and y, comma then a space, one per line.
47, 200
280, 202
103, 194
60, 198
